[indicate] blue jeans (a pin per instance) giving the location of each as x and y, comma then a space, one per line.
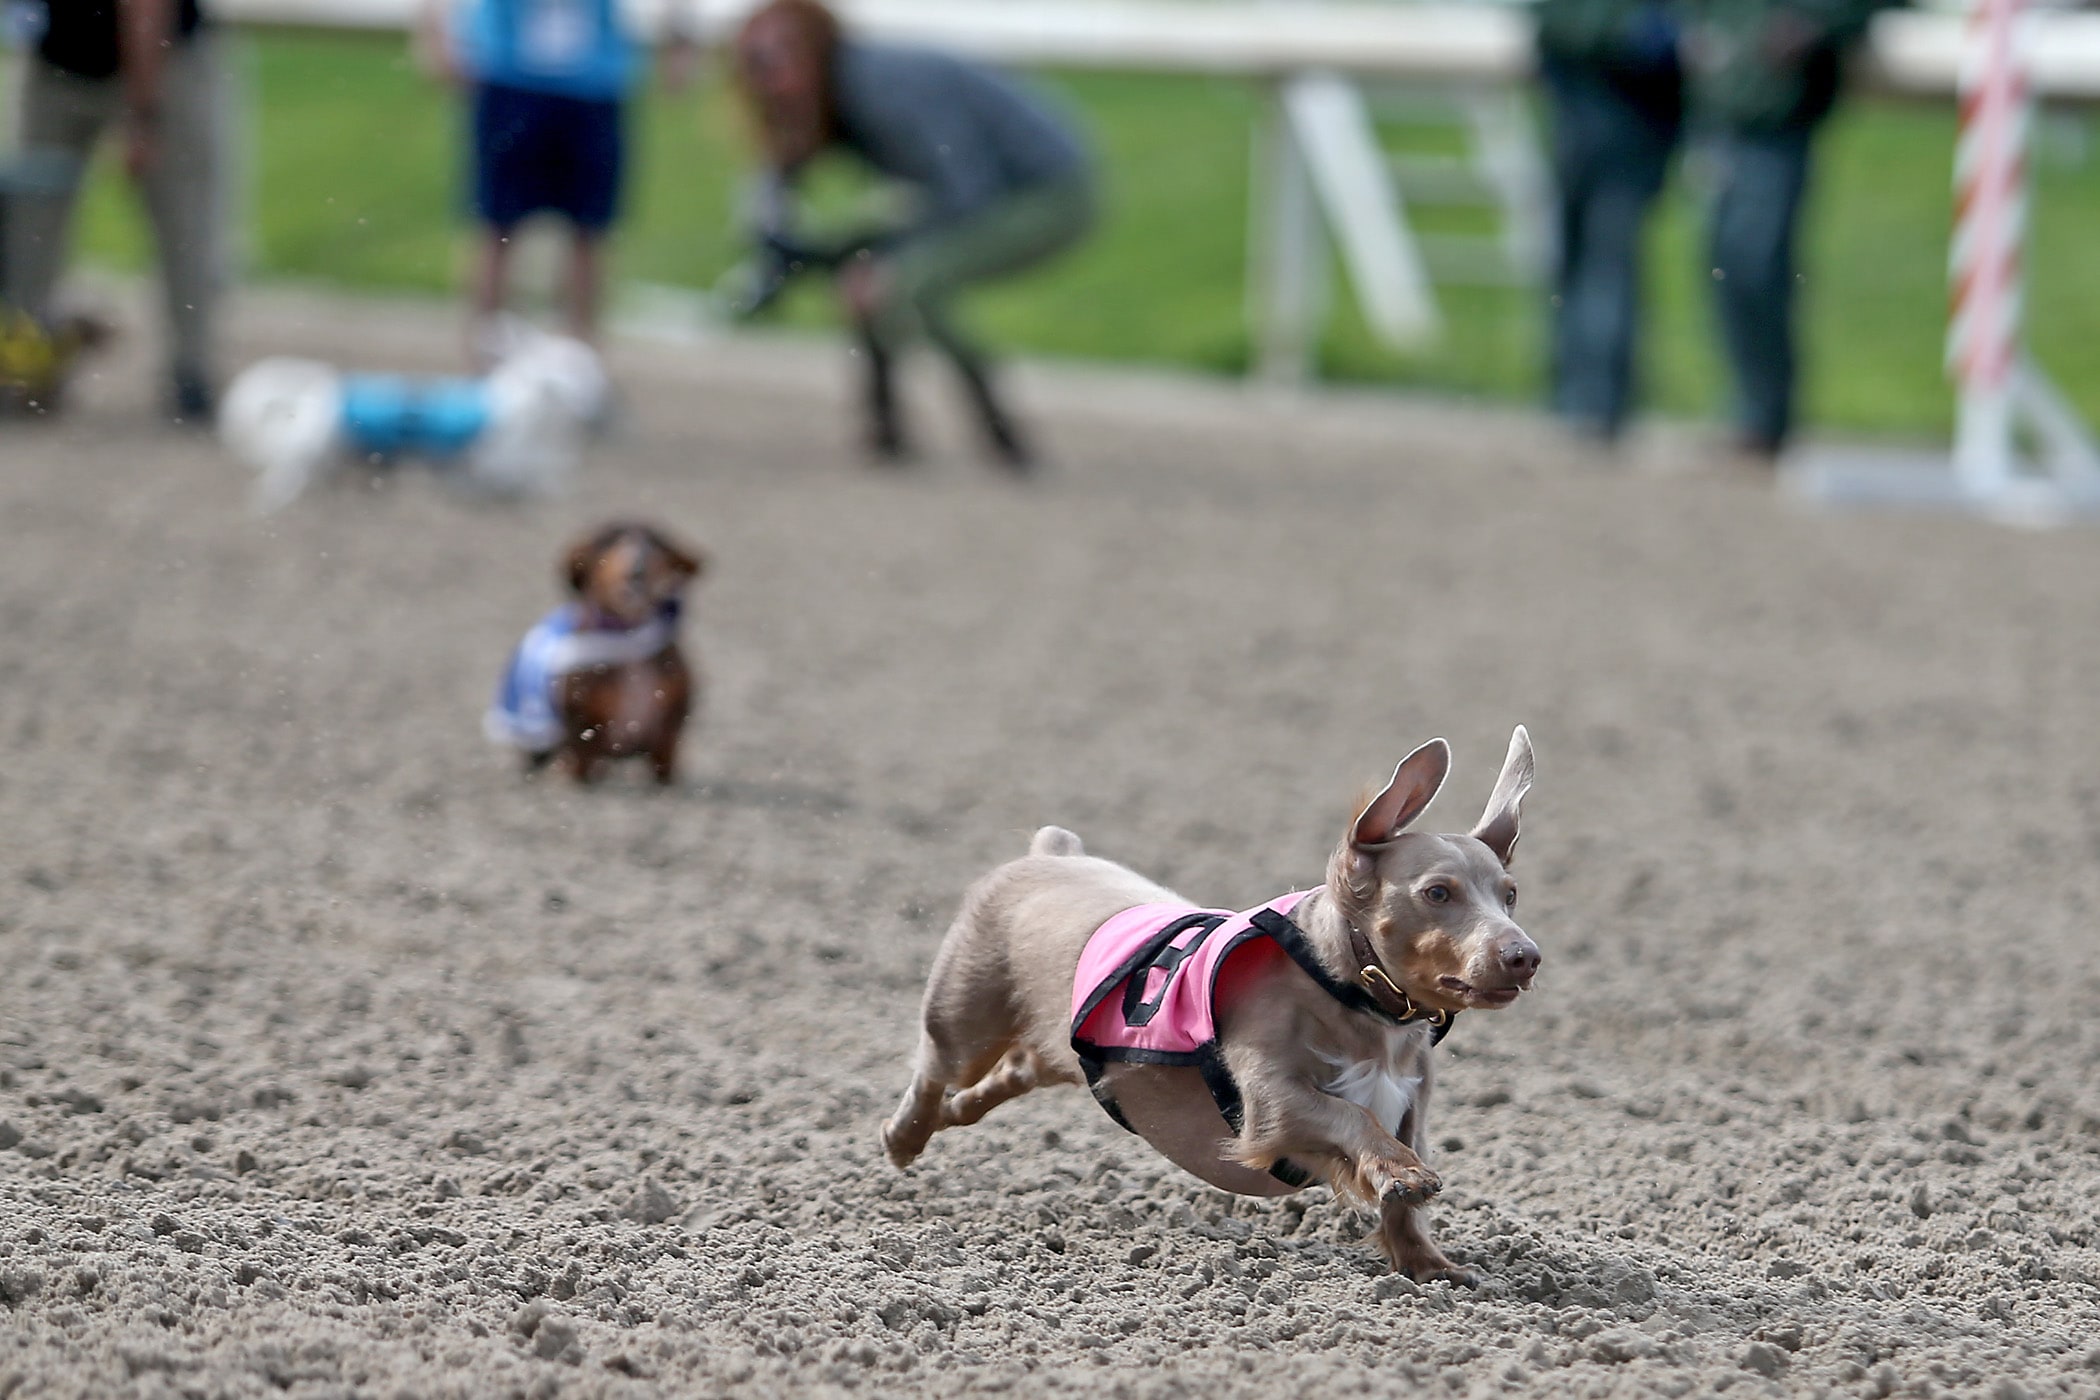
1611, 154
1759, 180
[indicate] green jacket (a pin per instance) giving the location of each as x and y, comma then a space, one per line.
1769, 65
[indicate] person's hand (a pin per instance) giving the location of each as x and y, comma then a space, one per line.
864, 285
141, 143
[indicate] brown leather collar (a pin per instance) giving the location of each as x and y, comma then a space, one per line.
1382, 989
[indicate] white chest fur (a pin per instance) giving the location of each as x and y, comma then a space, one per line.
1388, 1084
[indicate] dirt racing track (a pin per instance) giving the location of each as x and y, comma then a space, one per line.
337, 1060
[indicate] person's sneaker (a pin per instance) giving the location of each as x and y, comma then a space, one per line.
190, 402
1755, 449
1010, 449
884, 441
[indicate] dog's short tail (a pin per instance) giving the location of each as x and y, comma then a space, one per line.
1055, 841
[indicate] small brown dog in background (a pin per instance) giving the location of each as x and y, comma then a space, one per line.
603, 677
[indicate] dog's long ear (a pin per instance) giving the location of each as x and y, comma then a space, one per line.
1414, 785
1498, 824
582, 558
689, 562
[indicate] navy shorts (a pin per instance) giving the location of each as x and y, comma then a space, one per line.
540, 152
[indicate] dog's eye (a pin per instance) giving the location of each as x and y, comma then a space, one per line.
1437, 894
1509, 900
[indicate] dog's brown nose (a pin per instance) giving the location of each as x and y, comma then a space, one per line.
1520, 958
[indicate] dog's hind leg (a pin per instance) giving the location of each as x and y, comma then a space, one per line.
1017, 1072
916, 1120
924, 1108
967, 1026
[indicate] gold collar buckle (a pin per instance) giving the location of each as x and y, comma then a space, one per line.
1385, 990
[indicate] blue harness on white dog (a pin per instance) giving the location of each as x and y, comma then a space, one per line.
388, 415
524, 713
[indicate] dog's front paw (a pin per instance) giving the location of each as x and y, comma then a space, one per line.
1408, 1185
1443, 1271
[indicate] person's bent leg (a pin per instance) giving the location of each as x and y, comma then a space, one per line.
925, 276
1013, 233
973, 368
186, 200
1761, 178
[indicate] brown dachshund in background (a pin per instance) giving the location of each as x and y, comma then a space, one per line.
628, 577
603, 677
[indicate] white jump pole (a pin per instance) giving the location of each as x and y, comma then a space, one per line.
2001, 394
1984, 259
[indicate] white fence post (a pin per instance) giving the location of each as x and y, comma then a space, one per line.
1288, 285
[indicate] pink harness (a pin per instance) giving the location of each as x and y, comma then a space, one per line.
1166, 960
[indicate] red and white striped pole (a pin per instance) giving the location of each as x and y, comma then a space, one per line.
1990, 234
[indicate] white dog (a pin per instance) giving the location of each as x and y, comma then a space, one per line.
517, 431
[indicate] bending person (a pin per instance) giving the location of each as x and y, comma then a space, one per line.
1003, 183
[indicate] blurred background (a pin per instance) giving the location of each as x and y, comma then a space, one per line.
352, 180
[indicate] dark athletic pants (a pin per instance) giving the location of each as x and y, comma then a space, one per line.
1610, 158
930, 269
1759, 180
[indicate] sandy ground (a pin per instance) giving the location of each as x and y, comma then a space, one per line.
337, 1060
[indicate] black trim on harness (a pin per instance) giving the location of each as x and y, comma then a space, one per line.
1138, 1009
1101, 1095
1225, 1093
1143, 957
1292, 940
1130, 975
1289, 1172
1224, 1090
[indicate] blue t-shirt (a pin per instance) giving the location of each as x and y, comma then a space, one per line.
572, 48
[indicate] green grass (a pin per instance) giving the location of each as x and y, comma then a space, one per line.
352, 179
